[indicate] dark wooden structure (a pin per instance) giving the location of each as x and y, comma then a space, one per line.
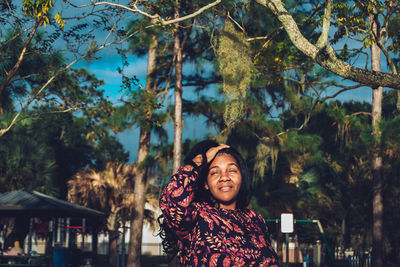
25, 205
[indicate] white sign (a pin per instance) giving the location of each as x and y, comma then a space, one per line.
287, 222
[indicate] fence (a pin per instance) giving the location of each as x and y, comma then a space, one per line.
360, 261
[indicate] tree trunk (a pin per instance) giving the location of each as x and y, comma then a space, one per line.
377, 204
112, 226
112, 248
136, 227
178, 125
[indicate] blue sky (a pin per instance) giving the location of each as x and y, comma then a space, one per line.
106, 69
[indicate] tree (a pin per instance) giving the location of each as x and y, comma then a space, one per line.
135, 241
26, 163
42, 92
377, 204
142, 110
29, 37
110, 191
178, 123
390, 153
355, 18
42, 153
324, 54
337, 180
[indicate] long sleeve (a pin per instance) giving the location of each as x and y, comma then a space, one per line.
176, 202
270, 254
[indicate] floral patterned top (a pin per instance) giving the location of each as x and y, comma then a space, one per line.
210, 236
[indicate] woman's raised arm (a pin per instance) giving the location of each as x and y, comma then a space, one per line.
176, 201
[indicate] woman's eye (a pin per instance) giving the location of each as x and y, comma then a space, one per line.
233, 170
213, 173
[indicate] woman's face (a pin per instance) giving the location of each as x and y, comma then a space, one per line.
224, 180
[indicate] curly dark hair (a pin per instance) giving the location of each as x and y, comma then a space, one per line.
169, 239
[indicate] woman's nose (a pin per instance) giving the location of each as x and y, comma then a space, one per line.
224, 177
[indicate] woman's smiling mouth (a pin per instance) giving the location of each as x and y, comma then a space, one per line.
225, 188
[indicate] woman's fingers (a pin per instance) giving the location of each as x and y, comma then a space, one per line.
198, 159
214, 150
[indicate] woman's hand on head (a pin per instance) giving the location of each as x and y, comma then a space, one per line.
198, 160
214, 150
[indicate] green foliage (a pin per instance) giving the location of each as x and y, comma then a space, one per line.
42, 153
390, 137
65, 121
136, 111
296, 143
235, 67
266, 156
393, 30
352, 123
212, 109
26, 163
141, 41
108, 149
37, 65
349, 19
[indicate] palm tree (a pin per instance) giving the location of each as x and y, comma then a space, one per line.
110, 191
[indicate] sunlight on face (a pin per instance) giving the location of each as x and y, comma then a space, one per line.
224, 180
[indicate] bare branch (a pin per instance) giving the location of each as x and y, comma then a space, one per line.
235, 22
17, 118
14, 70
323, 38
109, 33
345, 89
361, 3
266, 139
11, 10
19, 34
12, 123
359, 113
134, 8
388, 57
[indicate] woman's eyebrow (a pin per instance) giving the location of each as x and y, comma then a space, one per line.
229, 164
233, 164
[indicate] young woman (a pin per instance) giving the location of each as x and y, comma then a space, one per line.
205, 215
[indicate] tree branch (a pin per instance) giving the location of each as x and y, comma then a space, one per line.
16, 118
134, 8
326, 56
14, 70
359, 113
345, 89
323, 38
388, 57
235, 22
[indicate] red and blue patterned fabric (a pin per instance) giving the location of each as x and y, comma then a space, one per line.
210, 236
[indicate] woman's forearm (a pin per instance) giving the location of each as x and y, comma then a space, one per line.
176, 200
